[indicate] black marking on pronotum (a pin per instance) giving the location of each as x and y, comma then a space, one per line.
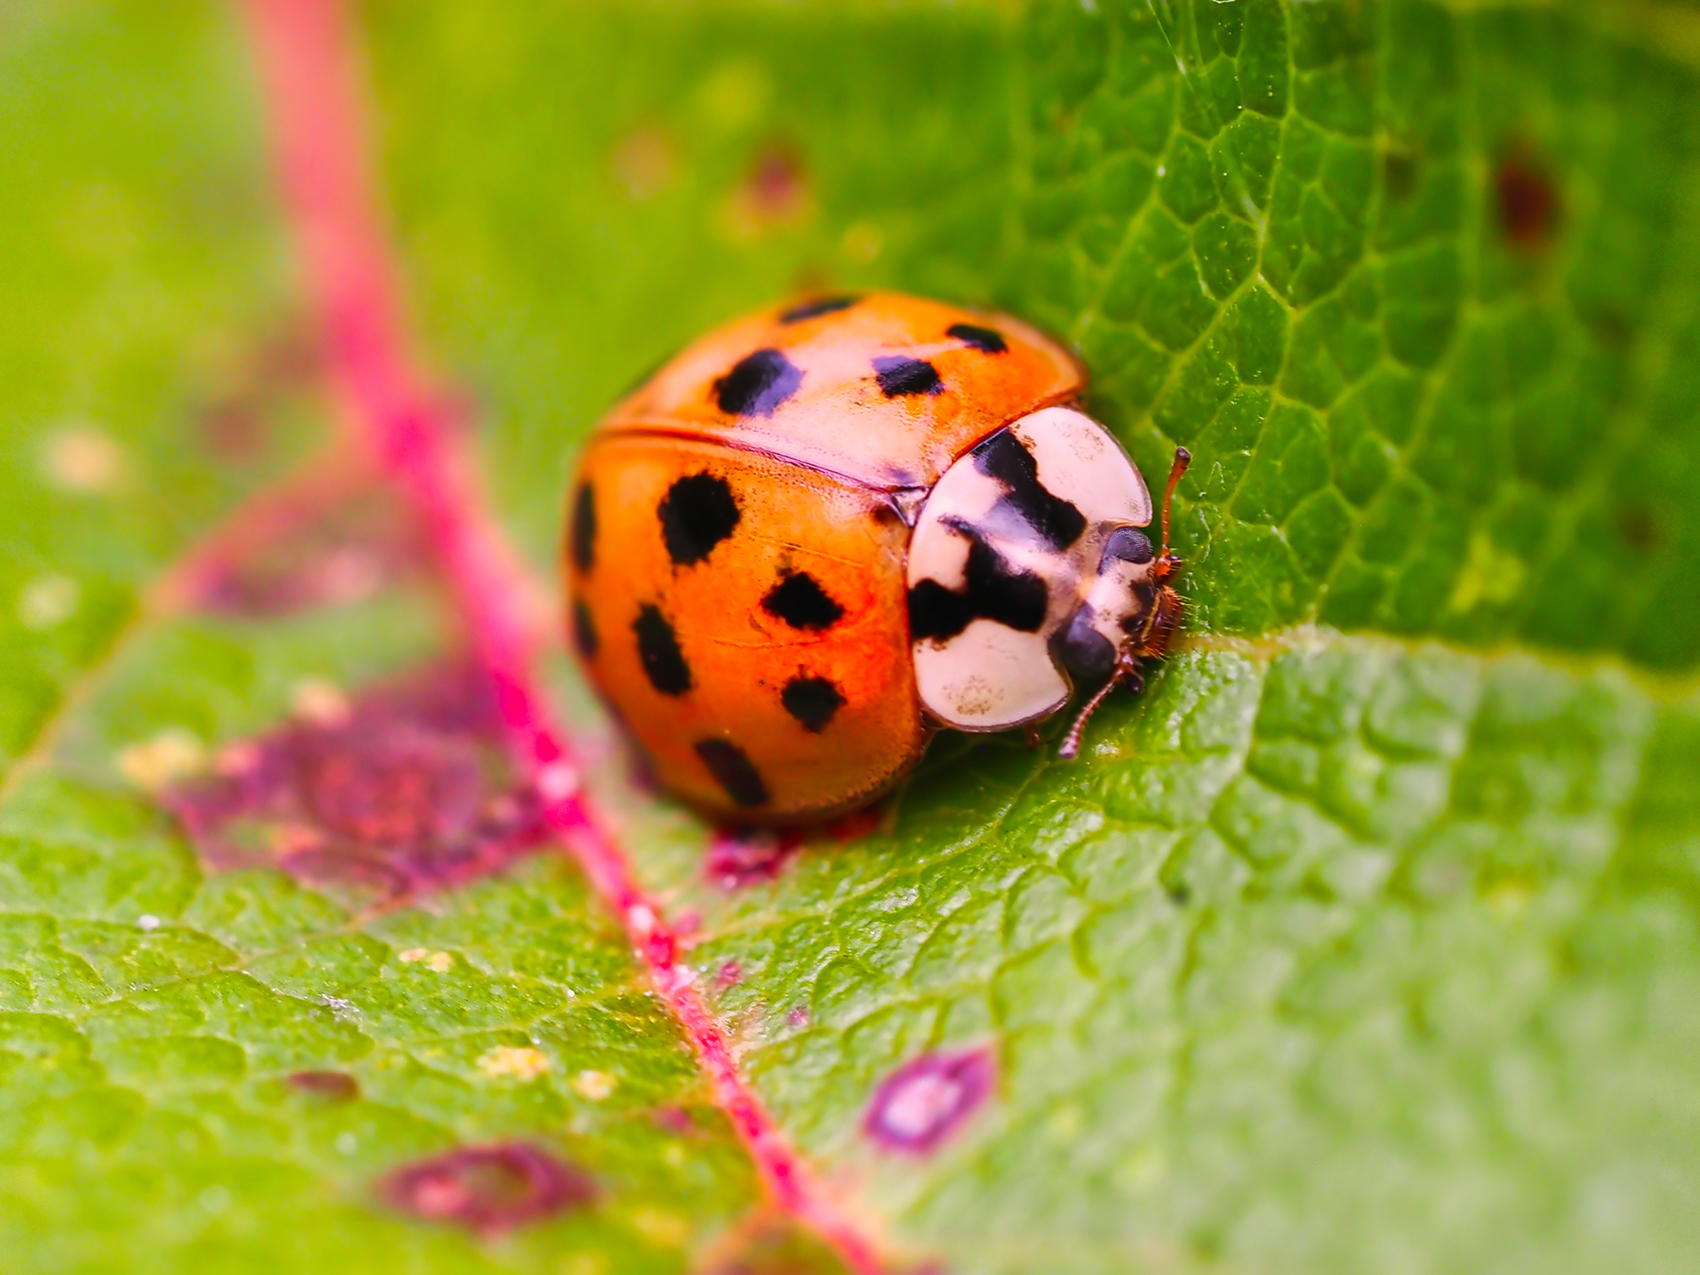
757, 384
584, 529
898, 375
658, 648
697, 513
814, 309
584, 630
1129, 544
1002, 457
812, 701
733, 771
978, 338
993, 590
799, 600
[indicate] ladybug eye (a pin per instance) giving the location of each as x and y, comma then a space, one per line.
1129, 544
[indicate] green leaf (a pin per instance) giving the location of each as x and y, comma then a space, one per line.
220, 1070
1365, 939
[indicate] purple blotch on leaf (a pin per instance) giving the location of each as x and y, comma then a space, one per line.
922, 1103
352, 549
490, 1189
674, 1120
738, 857
411, 790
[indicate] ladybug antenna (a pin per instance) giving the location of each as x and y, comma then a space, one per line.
1070, 746
1183, 458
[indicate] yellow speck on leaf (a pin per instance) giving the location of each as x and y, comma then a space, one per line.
84, 459
47, 601
1490, 575
320, 702
594, 1085
170, 755
513, 1062
438, 961
667, 1230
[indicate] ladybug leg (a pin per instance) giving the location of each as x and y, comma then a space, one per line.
1126, 670
1135, 679
1034, 738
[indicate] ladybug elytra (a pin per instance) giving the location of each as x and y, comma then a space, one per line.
820, 534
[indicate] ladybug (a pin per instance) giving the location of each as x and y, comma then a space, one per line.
823, 532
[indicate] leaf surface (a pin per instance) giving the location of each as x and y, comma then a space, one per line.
1365, 939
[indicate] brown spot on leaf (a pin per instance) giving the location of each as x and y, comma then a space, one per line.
412, 791
773, 193
1399, 174
490, 1190
1640, 528
331, 1086
776, 184
644, 163
252, 387
1525, 199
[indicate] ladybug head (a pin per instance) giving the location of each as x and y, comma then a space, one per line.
1128, 612
1122, 600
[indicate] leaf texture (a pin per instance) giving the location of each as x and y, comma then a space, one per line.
1365, 939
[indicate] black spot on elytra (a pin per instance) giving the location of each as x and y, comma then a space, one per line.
733, 771
757, 384
975, 337
993, 590
584, 631
1002, 457
898, 376
799, 600
584, 529
658, 649
814, 309
697, 513
812, 701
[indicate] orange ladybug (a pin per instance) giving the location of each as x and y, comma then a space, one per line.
823, 532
